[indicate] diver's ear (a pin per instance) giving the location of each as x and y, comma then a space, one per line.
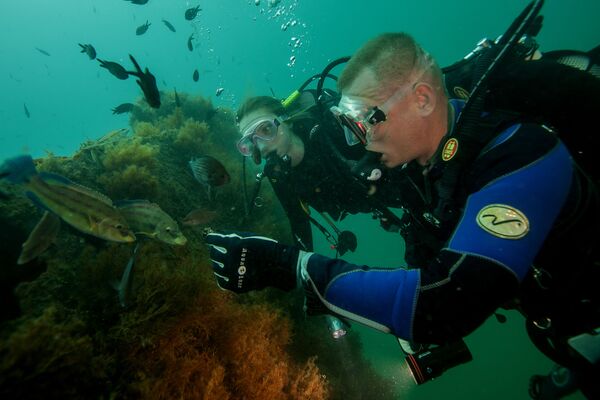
426, 98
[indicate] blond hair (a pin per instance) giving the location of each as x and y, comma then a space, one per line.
394, 58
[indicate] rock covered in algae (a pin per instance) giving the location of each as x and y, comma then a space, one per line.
179, 336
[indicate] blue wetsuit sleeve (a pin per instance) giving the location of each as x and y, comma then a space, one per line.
508, 219
383, 299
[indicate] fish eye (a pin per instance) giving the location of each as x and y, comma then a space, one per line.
119, 226
168, 229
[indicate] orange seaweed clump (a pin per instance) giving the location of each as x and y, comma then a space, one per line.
223, 350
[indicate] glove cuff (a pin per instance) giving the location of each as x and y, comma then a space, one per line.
283, 275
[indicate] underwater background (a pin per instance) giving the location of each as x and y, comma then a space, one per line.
55, 98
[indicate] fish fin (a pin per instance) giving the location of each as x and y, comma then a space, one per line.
18, 169
136, 65
124, 203
151, 235
93, 223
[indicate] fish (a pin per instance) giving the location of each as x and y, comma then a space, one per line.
40, 238
139, 2
219, 91
169, 25
44, 52
84, 209
199, 216
123, 287
273, 3
209, 172
27, 114
147, 83
123, 108
148, 219
114, 68
196, 75
140, 30
89, 50
107, 138
192, 13
177, 101
190, 44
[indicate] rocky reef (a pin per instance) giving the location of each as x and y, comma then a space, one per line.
64, 332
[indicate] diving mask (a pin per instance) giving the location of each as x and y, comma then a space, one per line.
358, 119
263, 129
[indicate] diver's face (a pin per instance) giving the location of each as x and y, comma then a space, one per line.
280, 141
395, 137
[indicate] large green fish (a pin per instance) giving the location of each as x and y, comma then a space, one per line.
83, 208
148, 219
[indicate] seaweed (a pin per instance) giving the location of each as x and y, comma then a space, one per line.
179, 337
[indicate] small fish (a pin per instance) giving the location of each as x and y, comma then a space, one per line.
123, 108
273, 3
107, 138
190, 44
139, 2
196, 75
147, 83
177, 101
89, 50
114, 68
148, 219
40, 238
44, 52
200, 216
192, 13
140, 30
123, 287
209, 172
219, 91
169, 25
27, 114
83, 208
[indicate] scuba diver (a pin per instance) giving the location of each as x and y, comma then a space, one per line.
506, 214
307, 165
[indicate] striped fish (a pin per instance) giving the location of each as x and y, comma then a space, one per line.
209, 172
83, 208
148, 219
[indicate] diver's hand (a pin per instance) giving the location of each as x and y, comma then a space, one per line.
244, 261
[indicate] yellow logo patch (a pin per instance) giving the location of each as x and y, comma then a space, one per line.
460, 93
503, 221
450, 149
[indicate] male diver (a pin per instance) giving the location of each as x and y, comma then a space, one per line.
520, 222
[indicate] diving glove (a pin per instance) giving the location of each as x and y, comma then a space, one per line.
243, 262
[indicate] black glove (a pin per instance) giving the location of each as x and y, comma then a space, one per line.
244, 262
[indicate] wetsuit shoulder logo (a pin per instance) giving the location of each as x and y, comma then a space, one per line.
503, 221
461, 93
450, 149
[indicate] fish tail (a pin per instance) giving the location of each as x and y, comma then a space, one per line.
136, 65
18, 169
